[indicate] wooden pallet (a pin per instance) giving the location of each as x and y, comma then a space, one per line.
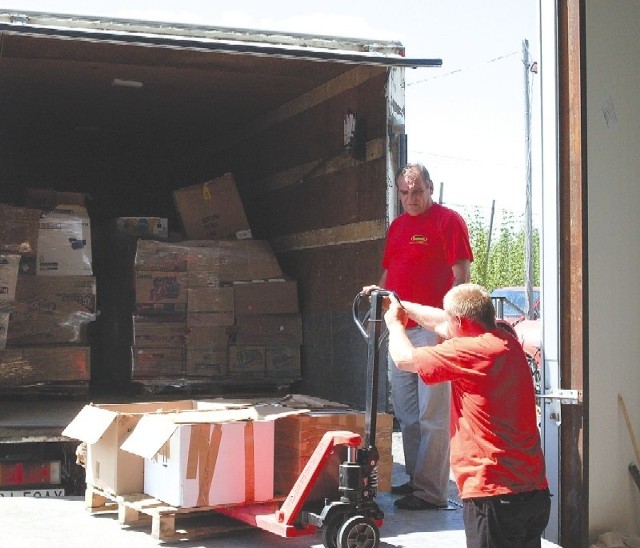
167, 523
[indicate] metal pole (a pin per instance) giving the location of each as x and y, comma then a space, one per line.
528, 243
486, 260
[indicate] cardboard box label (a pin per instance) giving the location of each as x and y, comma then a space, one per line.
245, 360
160, 291
9, 267
64, 243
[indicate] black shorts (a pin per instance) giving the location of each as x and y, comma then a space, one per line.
509, 521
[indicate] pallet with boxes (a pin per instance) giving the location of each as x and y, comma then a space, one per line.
215, 310
47, 294
166, 459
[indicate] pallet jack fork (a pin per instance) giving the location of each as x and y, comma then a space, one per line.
353, 520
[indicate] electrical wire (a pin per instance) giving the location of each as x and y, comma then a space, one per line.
462, 69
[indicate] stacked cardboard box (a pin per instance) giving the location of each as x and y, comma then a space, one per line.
47, 291
240, 316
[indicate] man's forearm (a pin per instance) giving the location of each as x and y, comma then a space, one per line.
426, 316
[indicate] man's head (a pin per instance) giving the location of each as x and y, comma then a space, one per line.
466, 305
415, 188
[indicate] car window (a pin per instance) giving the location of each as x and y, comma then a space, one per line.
515, 297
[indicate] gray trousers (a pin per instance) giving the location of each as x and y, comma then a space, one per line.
423, 413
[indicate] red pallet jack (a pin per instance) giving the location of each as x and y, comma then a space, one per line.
352, 521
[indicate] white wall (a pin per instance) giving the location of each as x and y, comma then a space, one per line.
613, 171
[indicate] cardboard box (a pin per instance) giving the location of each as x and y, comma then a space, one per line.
268, 329
272, 297
19, 230
9, 266
210, 307
27, 366
210, 299
247, 361
104, 428
43, 198
32, 327
212, 210
148, 228
155, 363
154, 332
207, 337
161, 256
206, 362
60, 294
298, 435
283, 362
163, 292
64, 243
208, 458
4, 327
248, 260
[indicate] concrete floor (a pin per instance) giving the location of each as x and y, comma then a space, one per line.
65, 523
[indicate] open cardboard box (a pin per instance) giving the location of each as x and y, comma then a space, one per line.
208, 458
105, 427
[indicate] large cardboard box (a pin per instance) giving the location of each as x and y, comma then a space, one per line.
19, 230
212, 210
210, 307
266, 297
32, 326
298, 435
27, 366
155, 363
160, 292
60, 294
248, 260
208, 458
64, 243
274, 329
9, 265
156, 332
43, 198
161, 256
104, 428
4, 327
206, 362
283, 362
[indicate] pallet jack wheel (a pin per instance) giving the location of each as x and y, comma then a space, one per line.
331, 529
359, 532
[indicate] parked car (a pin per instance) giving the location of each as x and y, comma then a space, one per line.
511, 304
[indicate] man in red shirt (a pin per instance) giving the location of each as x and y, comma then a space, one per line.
496, 453
427, 252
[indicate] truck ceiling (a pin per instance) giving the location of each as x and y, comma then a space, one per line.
93, 74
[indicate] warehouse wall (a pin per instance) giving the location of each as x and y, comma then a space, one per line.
613, 165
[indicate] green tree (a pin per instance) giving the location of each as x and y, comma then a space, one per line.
499, 251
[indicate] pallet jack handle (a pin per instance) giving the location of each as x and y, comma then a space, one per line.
372, 335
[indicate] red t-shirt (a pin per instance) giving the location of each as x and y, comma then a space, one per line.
495, 442
420, 251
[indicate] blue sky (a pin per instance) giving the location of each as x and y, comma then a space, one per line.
465, 121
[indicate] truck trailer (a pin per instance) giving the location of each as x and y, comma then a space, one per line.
125, 112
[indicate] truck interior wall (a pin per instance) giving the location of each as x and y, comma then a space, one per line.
297, 177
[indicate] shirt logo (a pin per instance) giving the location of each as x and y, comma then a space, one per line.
418, 239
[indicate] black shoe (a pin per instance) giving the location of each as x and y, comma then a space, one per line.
404, 489
411, 502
